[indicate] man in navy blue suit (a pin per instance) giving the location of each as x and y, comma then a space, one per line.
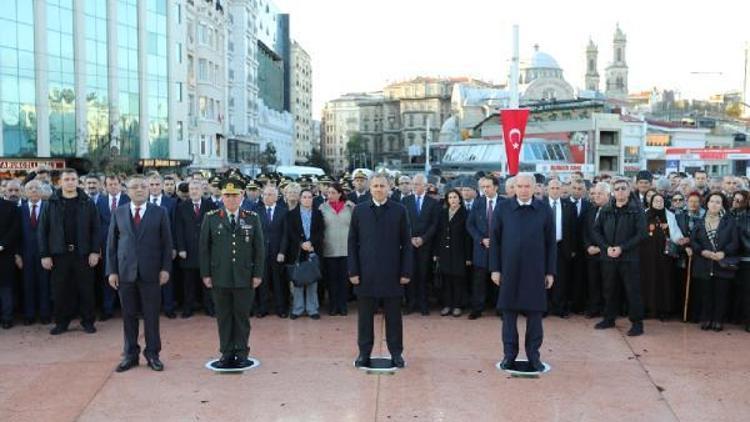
578, 282
106, 205
423, 218
478, 224
157, 197
272, 216
9, 240
36, 287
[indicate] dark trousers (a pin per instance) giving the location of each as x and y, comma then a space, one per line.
6, 300
454, 290
36, 289
274, 281
232, 310
595, 299
714, 293
335, 271
743, 276
109, 297
146, 298
416, 290
534, 334
479, 281
629, 274
578, 287
72, 283
558, 294
393, 324
191, 279
167, 294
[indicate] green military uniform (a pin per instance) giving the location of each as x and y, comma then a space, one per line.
232, 257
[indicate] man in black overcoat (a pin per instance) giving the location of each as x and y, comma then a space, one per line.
523, 256
380, 264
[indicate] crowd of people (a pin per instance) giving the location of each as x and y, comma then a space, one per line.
672, 247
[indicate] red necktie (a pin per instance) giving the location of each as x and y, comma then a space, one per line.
197, 210
114, 204
33, 216
137, 217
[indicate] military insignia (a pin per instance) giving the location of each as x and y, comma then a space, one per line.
221, 226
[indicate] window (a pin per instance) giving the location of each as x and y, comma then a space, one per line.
231, 74
202, 106
218, 146
178, 13
178, 89
202, 38
178, 51
211, 114
202, 70
180, 132
191, 105
203, 144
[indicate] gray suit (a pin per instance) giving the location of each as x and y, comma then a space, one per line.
137, 255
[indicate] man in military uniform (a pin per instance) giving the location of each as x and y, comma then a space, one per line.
231, 260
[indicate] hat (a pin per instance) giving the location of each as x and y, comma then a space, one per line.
359, 174
232, 185
305, 180
252, 186
215, 181
644, 175
325, 179
262, 178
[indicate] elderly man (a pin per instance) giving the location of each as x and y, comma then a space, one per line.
36, 287
404, 189
592, 252
380, 264
13, 192
139, 260
10, 236
523, 258
564, 217
272, 217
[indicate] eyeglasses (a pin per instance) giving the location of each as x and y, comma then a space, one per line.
621, 188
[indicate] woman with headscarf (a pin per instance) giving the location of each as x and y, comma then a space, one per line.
658, 255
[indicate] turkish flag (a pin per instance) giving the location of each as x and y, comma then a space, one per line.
514, 127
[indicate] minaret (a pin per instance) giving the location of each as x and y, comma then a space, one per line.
617, 71
592, 75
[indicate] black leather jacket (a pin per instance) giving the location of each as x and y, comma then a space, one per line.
51, 233
621, 226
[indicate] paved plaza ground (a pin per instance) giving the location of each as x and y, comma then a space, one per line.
674, 372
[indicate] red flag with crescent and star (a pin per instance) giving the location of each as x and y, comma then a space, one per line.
514, 128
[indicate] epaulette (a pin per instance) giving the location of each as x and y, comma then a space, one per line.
244, 213
212, 212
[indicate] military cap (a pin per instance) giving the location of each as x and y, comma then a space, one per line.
232, 185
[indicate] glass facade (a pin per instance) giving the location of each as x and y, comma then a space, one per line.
158, 81
17, 81
270, 78
61, 77
127, 74
97, 98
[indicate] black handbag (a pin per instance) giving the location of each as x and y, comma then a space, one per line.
730, 263
304, 273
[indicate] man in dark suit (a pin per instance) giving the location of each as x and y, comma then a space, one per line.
139, 260
564, 218
360, 193
577, 283
10, 237
404, 189
593, 254
106, 206
36, 287
157, 197
479, 224
69, 245
380, 264
523, 258
272, 217
93, 187
423, 218
188, 220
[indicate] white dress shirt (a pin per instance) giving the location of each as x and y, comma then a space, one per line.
157, 198
141, 211
556, 205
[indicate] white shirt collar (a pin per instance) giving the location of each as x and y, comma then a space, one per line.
142, 208
523, 203
157, 197
377, 204
31, 204
115, 197
272, 207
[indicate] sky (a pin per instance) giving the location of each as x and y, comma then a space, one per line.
359, 45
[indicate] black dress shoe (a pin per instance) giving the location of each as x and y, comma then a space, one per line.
706, 325
28, 321
155, 364
6, 325
564, 315
604, 324
105, 317
283, 315
425, 313
45, 321
331, 313
186, 315
397, 361
211, 313
293, 317
508, 364
226, 362
536, 366
58, 329
636, 329
343, 313
474, 315
88, 328
717, 326
362, 361
262, 314
242, 363
315, 316
170, 315
126, 364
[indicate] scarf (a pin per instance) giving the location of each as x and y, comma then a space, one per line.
337, 206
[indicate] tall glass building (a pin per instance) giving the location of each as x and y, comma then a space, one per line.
86, 77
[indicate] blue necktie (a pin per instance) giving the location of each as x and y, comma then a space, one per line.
419, 205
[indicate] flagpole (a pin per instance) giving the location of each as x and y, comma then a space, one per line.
514, 70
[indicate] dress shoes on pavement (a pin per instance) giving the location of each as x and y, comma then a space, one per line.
58, 329
88, 328
186, 315
45, 321
283, 315
474, 315
105, 317
604, 324
362, 361
315, 316
293, 317
226, 362
397, 361
508, 364
155, 364
126, 364
170, 315
636, 329
7, 325
29, 321
536, 366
